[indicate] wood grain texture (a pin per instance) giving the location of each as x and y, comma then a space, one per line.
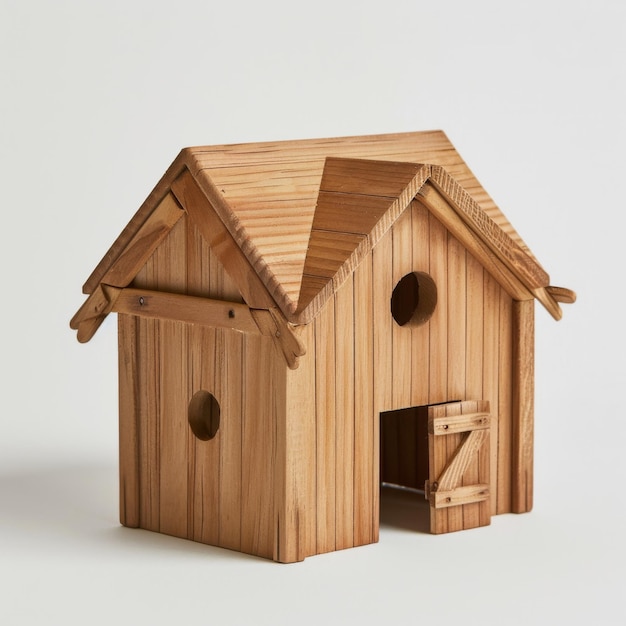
272, 323
420, 336
228, 386
453, 444
471, 359
128, 422
188, 309
505, 402
170, 268
189, 488
205, 369
205, 276
437, 459
401, 264
474, 514
491, 375
251, 174
325, 402
152, 232
344, 415
306, 400
437, 366
148, 373
459, 424
92, 313
501, 244
456, 297
160, 191
461, 459
357, 203
562, 294
472, 494
383, 353
546, 297
320, 232
365, 456
295, 464
523, 407
232, 258
359, 200
445, 212
173, 430
311, 476
258, 448
459, 477
290, 222
457, 315
192, 488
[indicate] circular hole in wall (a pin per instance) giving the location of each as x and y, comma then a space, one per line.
414, 299
204, 415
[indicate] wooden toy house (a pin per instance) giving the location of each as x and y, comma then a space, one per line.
299, 321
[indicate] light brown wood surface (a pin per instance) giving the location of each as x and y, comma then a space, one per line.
188, 309
221, 243
458, 486
450, 356
523, 407
266, 209
130, 487
262, 275
286, 176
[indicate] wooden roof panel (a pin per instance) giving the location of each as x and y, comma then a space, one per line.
270, 198
256, 181
283, 166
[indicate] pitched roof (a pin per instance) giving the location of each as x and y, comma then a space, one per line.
303, 213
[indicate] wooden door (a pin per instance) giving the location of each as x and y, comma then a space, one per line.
458, 466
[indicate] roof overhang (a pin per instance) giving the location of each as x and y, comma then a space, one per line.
290, 221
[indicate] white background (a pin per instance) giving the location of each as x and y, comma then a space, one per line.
96, 100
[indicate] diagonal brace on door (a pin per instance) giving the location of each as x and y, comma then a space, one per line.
446, 490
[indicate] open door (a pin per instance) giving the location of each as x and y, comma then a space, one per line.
458, 466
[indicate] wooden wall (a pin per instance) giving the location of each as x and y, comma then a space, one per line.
294, 468
220, 491
366, 364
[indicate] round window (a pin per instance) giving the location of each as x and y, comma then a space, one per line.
414, 299
204, 415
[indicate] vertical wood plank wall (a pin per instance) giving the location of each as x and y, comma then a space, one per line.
318, 424
463, 352
219, 491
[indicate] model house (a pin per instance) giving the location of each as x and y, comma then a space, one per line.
301, 321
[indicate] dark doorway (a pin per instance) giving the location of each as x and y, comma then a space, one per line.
404, 468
